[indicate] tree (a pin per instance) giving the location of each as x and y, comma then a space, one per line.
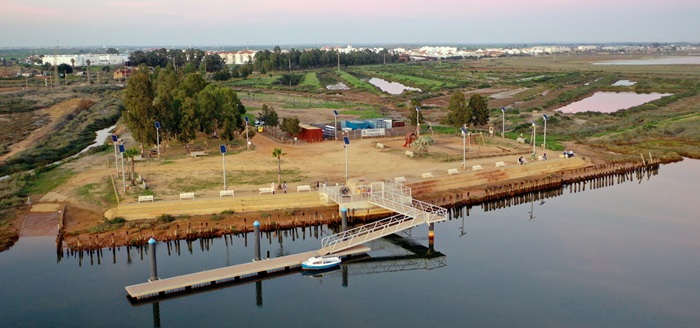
213, 63
130, 154
112, 51
278, 153
268, 115
72, 63
459, 112
138, 100
423, 143
65, 69
88, 70
479, 110
290, 126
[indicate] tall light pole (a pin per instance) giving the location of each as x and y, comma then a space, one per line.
121, 150
503, 124
544, 143
158, 137
115, 139
335, 124
418, 121
346, 140
222, 148
534, 128
247, 142
464, 146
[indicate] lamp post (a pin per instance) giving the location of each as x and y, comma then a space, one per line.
115, 139
158, 137
247, 142
503, 124
464, 146
534, 128
121, 150
222, 148
417, 121
335, 124
544, 143
346, 140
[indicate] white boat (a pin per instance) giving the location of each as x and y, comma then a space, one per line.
320, 262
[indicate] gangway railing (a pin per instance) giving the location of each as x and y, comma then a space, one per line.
398, 203
367, 232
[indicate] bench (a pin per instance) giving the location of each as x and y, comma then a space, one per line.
380, 145
266, 190
500, 164
223, 193
452, 171
304, 187
409, 153
138, 158
427, 175
198, 153
146, 198
399, 179
541, 158
477, 168
185, 195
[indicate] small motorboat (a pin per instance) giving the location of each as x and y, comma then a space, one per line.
320, 262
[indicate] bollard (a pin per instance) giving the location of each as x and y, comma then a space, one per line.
154, 267
344, 214
256, 233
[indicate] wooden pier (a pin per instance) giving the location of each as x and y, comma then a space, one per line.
240, 272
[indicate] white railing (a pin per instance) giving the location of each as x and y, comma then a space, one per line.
365, 233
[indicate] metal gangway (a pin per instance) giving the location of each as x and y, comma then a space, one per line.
395, 197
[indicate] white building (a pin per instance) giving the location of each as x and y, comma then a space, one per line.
238, 57
81, 60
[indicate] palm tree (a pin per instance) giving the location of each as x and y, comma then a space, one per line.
131, 153
278, 153
88, 69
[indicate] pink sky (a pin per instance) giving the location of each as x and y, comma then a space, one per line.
226, 22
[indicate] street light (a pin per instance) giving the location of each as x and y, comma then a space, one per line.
222, 148
544, 143
534, 128
335, 124
247, 142
418, 121
158, 138
503, 125
121, 150
465, 131
346, 140
115, 139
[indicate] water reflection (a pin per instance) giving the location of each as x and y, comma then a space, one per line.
608, 102
393, 88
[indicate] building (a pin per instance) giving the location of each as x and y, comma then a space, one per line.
237, 57
310, 133
81, 60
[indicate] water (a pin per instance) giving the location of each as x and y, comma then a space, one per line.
608, 102
690, 60
100, 137
624, 83
621, 256
393, 88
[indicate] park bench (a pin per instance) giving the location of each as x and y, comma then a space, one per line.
399, 179
427, 175
266, 190
540, 158
146, 198
198, 153
380, 145
186, 195
500, 164
452, 171
303, 188
138, 158
409, 153
223, 193
477, 168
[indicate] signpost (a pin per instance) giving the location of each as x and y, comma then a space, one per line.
121, 150
335, 124
346, 140
544, 143
158, 138
247, 142
503, 124
465, 131
534, 128
222, 148
417, 121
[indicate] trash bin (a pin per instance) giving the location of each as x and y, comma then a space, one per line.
260, 129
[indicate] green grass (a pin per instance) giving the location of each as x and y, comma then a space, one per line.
310, 81
356, 83
49, 180
362, 114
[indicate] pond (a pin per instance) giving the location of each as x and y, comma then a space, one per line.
608, 102
690, 60
623, 83
619, 256
393, 88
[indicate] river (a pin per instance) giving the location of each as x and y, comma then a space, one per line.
619, 256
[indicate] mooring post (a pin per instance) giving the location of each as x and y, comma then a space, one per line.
344, 214
256, 232
154, 266
431, 237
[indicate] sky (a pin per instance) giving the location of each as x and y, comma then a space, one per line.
285, 23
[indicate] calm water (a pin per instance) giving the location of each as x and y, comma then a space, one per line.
621, 256
393, 88
608, 102
690, 60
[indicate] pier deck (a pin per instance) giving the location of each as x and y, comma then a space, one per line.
210, 278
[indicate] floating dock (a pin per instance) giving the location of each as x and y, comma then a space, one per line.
230, 274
